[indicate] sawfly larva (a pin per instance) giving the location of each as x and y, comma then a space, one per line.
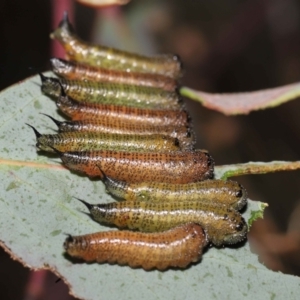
80, 111
222, 225
112, 93
75, 71
184, 134
229, 193
90, 141
177, 247
170, 167
109, 58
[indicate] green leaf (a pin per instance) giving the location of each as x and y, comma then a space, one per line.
37, 210
244, 103
226, 171
256, 214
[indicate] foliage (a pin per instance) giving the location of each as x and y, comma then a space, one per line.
38, 210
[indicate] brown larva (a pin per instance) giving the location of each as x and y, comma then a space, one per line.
170, 167
184, 134
83, 111
177, 247
76, 71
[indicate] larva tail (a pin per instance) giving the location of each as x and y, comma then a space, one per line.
113, 186
37, 134
65, 23
88, 205
43, 77
64, 28
68, 240
50, 86
57, 123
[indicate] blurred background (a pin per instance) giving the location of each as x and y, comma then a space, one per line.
225, 46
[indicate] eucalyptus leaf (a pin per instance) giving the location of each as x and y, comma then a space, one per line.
38, 210
244, 103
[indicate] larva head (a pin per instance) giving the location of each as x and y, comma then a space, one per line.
176, 63
177, 58
225, 226
211, 165
190, 133
242, 195
238, 230
50, 86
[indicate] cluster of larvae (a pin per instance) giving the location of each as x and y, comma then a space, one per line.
129, 127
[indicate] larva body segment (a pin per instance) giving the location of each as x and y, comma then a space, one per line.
81, 111
172, 167
184, 134
75, 71
177, 247
89, 141
222, 224
112, 93
229, 193
109, 58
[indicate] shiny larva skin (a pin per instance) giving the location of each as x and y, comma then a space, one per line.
109, 58
177, 247
112, 93
172, 167
184, 134
229, 193
223, 225
89, 141
81, 111
75, 71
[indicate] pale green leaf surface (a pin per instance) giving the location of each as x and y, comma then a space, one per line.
37, 209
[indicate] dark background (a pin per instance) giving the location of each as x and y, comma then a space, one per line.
226, 46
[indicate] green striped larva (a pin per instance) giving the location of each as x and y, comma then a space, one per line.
90, 141
229, 193
109, 58
223, 225
171, 167
112, 93
75, 71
